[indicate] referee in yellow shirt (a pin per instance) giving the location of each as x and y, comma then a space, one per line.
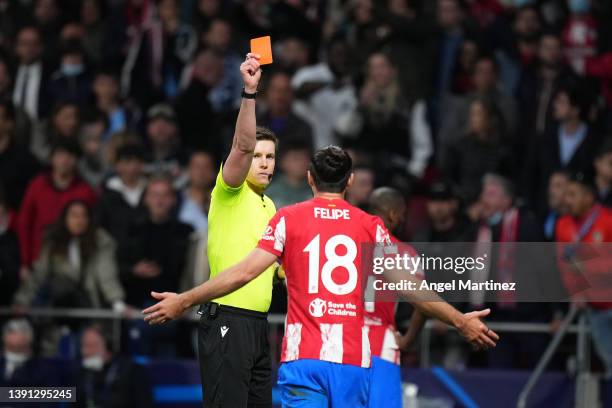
233, 344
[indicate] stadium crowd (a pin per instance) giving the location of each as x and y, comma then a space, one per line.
492, 117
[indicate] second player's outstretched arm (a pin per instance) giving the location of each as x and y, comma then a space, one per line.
469, 325
236, 167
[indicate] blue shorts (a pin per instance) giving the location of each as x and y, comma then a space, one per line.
385, 384
321, 384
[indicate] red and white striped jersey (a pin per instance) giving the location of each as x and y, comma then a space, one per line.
319, 243
380, 319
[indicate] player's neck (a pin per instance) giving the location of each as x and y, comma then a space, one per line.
329, 196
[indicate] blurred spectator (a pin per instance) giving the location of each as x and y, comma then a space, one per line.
570, 145
603, 174
195, 198
557, 186
200, 127
224, 96
32, 75
72, 81
516, 44
46, 196
589, 222
450, 19
157, 54
358, 194
480, 150
393, 130
204, 12
92, 166
106, 380
293, 54
165, 154
539, 84
63, 124
291, 185
99, 38
18, 366
77, 266
502, 221
17, 165
47, 18
9, 257
447, 224
279, 115
456, 108
579, 35
106, 92
121, 201
325, 92
154, 257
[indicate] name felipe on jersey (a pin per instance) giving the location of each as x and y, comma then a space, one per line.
331, 213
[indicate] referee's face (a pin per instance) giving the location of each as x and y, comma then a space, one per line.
262, 166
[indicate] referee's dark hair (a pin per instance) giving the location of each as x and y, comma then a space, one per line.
330, 169
263, 133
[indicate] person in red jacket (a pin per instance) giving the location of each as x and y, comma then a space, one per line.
589, 222
45, 198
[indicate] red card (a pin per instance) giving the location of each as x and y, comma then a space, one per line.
263, 47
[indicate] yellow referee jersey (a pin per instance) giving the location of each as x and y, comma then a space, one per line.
236, 221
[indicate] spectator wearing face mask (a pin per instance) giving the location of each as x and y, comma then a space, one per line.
503, 222
106, 380
18, 365
71, 82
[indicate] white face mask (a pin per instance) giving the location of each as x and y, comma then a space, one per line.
94, 363
16, 358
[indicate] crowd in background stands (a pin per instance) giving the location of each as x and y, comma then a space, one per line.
115, 116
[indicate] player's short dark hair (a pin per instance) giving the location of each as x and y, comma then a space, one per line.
263, 133
331, 168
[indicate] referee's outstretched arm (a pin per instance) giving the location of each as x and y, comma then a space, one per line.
236, 167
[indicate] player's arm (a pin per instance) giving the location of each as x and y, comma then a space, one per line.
173, 305
469, 325
236, 167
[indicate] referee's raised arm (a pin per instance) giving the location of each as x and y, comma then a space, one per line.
236, 167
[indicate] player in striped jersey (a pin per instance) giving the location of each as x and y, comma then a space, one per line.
326, 349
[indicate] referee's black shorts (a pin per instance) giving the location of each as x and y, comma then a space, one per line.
234, 356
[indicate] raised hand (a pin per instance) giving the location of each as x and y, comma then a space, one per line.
251, 72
